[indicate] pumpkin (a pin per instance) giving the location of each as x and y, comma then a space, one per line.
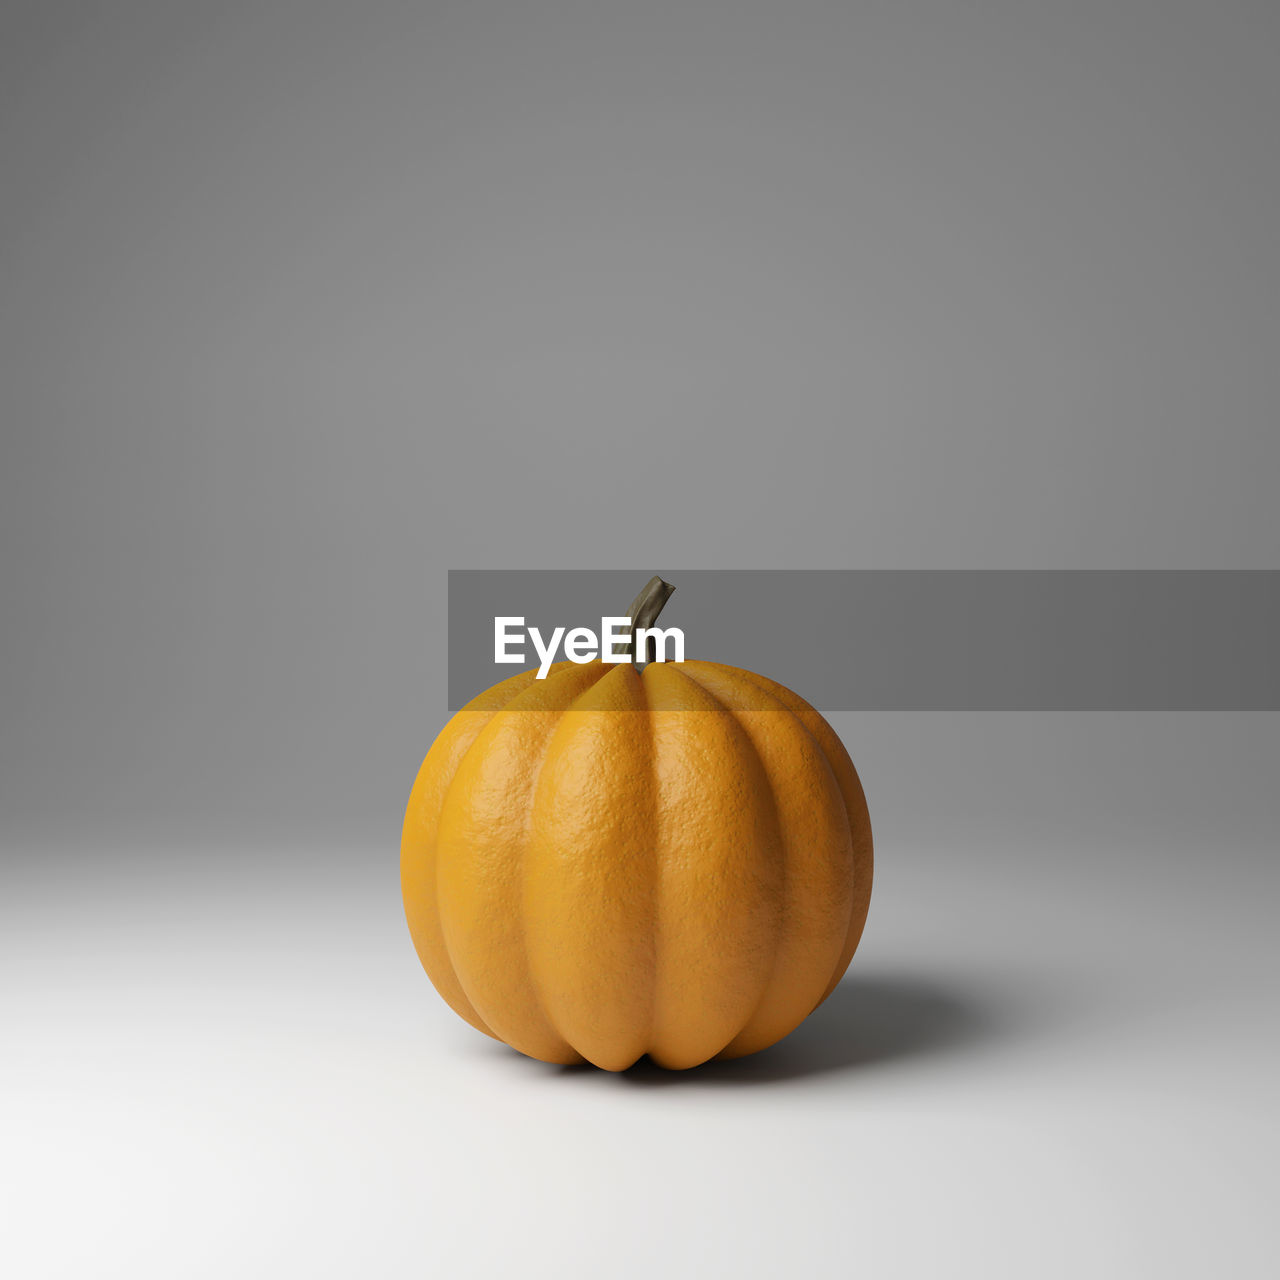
612, 862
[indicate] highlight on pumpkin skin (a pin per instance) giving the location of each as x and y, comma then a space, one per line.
672, 861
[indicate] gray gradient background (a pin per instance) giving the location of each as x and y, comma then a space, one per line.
303, 304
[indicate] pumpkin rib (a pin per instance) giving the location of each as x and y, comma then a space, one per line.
483, 884
716, 825
418, 863
655, 869
418, 839
590, 956
850, 784
784, 861
815, 829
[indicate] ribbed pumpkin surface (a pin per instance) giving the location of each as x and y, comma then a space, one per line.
610, 863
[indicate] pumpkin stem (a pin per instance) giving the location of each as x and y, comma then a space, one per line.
644, 612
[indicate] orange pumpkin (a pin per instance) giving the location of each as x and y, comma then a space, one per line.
612, 862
